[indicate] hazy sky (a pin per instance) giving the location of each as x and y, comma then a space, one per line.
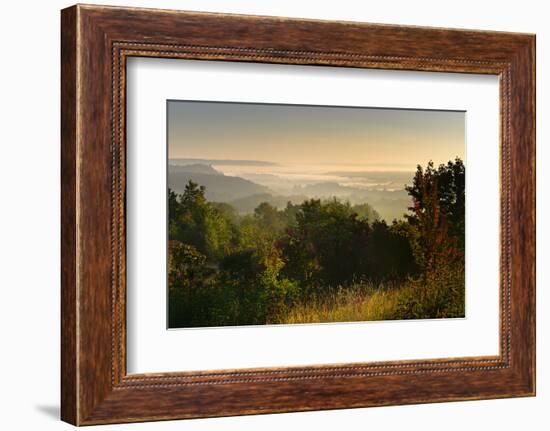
387, 138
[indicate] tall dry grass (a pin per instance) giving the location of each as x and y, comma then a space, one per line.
370, 302
363, 302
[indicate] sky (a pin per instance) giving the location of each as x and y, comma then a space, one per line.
392, 139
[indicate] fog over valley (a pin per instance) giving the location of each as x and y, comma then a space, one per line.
245, 184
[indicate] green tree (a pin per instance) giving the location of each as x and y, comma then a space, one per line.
324, 246
190, 282
194, 221
269, 218
388, 252
259, 293
187, 267
366, 212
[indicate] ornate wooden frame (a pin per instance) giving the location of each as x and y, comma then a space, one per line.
95, 42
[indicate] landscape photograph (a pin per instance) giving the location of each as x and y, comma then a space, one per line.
302, 214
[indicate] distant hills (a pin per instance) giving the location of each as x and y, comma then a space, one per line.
245, 195
219, 187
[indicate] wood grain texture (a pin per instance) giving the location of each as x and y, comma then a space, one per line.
96, 41
69, 366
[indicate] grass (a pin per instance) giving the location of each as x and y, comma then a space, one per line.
443, 297
360, 304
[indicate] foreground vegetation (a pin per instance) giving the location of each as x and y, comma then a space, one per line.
318, 261
407, 300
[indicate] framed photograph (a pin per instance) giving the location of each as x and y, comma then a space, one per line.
264, 215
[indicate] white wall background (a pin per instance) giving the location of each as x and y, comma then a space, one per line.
29, 215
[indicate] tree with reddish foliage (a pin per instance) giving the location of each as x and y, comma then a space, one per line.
436, 236
438, 214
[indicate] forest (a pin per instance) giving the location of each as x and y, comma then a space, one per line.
321, 260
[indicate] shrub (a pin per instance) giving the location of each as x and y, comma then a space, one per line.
440, 294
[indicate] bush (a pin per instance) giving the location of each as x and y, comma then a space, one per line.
440, 294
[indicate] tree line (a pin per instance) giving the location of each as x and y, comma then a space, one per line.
225, 268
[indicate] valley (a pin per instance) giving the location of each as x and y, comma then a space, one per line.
244, 184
